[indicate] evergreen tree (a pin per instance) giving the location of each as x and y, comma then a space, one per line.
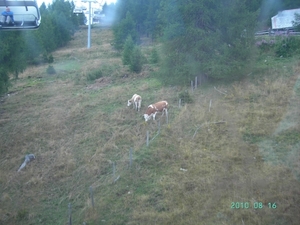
207, 37
122, 30
47, 33
136, 60
152, 22
4, 84
12, 53
127, 51
143, 14
12, 56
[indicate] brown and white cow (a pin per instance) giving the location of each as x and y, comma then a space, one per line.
136, 100
153, 109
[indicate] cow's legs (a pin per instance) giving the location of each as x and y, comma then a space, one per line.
154, 115
138, 105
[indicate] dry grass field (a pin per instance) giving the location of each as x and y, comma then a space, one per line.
226, 158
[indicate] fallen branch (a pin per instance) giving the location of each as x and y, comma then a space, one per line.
220, 91
197, 130
218, 122
28, 158
116, 179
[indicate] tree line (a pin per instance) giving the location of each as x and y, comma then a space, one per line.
18, 49
211, 38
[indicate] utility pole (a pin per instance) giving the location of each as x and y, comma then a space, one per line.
90, 18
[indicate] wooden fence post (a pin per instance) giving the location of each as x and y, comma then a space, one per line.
70, 214
167, 117
130, 157
159, 124
92, 196
114, 170
147, 140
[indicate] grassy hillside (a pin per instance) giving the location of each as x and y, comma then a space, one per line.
229, 157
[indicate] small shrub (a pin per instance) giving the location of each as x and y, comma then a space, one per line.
50, 59
185, 97
154, 58
50, 70
287, 47
22, 215
94, 75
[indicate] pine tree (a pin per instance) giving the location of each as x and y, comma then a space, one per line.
207, 37
136, 60
127, 51
122, 30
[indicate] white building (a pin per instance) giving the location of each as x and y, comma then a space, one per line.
284, 19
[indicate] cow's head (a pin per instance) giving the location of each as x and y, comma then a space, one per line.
129, 103
147, 117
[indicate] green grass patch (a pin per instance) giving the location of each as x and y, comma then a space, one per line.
288, 137
93, 75
67, 66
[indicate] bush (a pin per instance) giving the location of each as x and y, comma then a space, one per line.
288, 47
185, 97
154, 58
94, 75
50, 70
136, 60
50, 59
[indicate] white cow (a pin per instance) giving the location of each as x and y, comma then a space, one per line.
136, 100
153, 109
